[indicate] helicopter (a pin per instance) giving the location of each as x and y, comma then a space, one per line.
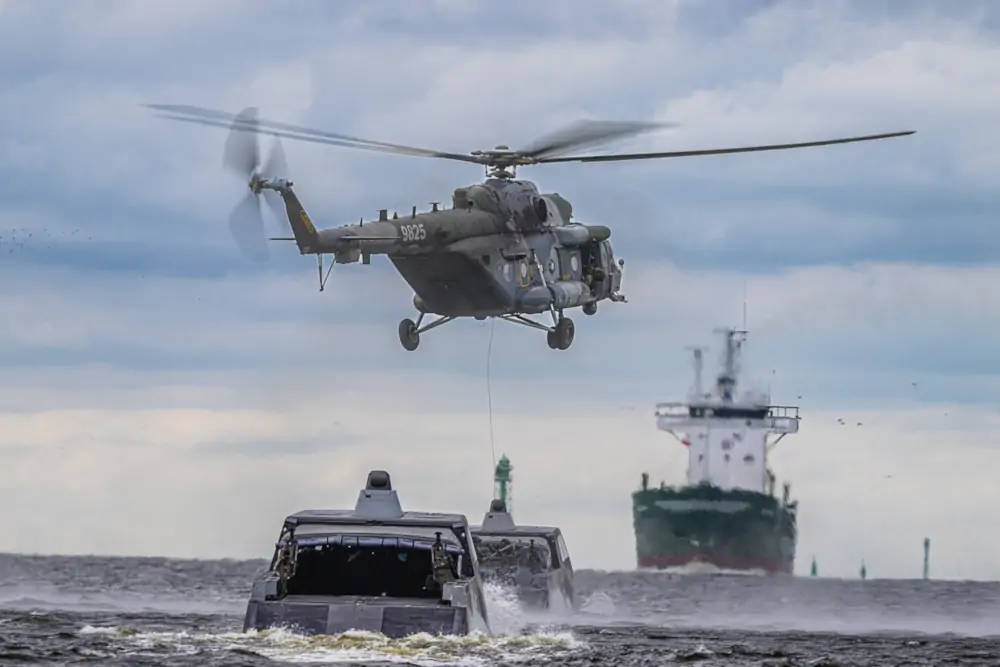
503, 250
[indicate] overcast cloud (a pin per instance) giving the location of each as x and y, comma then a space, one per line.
162, 395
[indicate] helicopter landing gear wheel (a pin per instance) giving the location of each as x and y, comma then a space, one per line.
590, 308
562, 336
408, 335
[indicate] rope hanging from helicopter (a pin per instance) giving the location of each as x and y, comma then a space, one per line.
489, 390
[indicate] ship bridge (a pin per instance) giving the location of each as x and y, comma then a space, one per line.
727, 434
783, 419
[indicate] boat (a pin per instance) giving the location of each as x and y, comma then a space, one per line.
726, 517
533, 560
374, 568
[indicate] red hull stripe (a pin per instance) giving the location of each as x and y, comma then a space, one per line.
722, 562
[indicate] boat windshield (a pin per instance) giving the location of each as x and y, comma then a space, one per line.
503, 552
388, 565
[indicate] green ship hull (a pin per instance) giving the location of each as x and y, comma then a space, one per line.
729, 529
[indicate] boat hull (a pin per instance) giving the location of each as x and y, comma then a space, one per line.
333, 616
731, 530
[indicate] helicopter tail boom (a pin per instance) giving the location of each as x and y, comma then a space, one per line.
303, 231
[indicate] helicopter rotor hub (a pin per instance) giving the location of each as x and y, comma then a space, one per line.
256, 183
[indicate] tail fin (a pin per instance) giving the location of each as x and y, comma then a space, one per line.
303, 229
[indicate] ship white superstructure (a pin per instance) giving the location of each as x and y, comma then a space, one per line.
727, 434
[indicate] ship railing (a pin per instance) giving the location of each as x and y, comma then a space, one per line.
674, 410
785, 411
678, 409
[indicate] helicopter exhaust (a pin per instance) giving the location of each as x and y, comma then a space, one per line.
559, 294
575, 234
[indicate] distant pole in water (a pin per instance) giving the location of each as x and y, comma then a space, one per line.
864, 572
812, 570
927, 557
502, 479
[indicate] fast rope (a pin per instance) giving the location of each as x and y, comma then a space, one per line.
489, 391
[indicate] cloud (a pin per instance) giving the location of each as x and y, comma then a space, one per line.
152, 375
440, 458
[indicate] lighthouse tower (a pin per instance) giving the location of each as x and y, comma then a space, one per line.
502, 482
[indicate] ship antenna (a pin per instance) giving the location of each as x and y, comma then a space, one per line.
745, 305
697, 372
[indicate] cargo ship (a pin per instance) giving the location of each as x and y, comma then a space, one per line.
726, 517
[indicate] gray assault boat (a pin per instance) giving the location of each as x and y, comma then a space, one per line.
533, 560
374, 568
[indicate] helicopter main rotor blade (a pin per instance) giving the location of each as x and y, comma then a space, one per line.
242, 151
586, 133
721, 151
214, 118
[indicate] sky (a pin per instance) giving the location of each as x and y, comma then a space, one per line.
162, 395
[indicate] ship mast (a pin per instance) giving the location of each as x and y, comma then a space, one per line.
698, 392
726, 381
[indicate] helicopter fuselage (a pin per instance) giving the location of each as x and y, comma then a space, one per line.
502, 249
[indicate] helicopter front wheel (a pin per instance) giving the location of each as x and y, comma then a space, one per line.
409, 336
561, 337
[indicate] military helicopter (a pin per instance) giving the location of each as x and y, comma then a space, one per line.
504, 249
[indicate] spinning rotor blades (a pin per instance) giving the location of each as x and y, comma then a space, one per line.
191, 114
247, 227
241, 154
723, 151
551, 149
586, 134
576, 135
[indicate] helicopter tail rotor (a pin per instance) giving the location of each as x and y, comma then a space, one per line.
241, 154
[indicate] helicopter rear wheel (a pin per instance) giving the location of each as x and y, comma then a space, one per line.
590, 308
563, 334
408, 335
